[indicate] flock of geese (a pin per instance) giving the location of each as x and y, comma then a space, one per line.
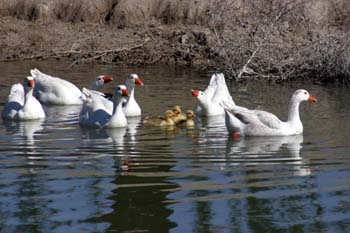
112, 110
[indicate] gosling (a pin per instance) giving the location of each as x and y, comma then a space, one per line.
178, 116
167, 120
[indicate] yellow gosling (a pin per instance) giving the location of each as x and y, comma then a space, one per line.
178, 116
190, 117
160, 121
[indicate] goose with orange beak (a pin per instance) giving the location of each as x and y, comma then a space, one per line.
21, 104
58, 91
244, 122
94, 113
131, 107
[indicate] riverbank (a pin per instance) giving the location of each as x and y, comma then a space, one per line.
247, 40
101, 43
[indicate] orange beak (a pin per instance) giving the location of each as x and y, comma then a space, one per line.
107, 79
125, 92
31, 83
195, 93
312, 99
138, 81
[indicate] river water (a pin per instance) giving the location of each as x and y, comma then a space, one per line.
58, 177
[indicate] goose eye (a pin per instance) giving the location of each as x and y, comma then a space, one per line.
305, 93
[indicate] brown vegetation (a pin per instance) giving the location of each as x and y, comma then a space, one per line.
248, 39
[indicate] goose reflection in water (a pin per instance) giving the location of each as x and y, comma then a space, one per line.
212, 128
100, 137
133, 125
259, 150
25, 129
62, 114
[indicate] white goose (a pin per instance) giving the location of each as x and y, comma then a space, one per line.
53, 90
130, 107
95, 114
244, 122
21, 104
210, 100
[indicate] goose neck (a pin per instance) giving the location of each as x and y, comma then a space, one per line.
28, 95
117, 104
93, 86
293, 111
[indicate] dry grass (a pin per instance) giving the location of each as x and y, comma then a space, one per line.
64, 10
20, 9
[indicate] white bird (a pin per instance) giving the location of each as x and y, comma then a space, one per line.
209, 100
21, 104
95, 114
130, 107
244, 122
53, 90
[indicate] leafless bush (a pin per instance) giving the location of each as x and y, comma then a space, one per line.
280, 40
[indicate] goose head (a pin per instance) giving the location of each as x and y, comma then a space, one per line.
100, 81
121, 91
29, 83
302, 95
134, 79
198, 94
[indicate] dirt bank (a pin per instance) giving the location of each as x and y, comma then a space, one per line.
122, 32
274, 40
91, 42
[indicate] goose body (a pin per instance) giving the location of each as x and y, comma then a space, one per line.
209, 101
57, 91
95, 114
21, 104
241, 121
131, 107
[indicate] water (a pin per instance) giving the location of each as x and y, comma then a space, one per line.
58, 177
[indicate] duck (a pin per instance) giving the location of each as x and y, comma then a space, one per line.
178, 115
245, 122
209, 101
57, 91
95, 114
21, 104
167, 120
130, 106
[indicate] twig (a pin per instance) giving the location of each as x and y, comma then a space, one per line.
268, 32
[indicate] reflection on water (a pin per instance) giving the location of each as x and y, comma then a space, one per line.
273, 150
59, 177
24, 131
